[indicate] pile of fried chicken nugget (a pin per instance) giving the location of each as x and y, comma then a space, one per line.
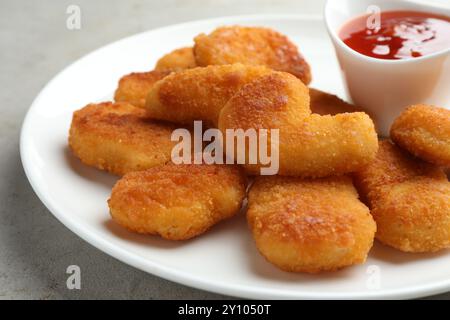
338, 187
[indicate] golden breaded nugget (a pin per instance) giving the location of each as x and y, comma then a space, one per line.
199, 93
425, 132
409, 200
134, 87
251, 46
178, 59
309, 225
177, 202
310, 145
119, 138
324, 103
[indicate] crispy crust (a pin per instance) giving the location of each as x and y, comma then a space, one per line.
119, 138
310, 145
309, 225
177, 60
177, 202
324, 103
134, 87
409, 199
251, 46
199, 93
425, 132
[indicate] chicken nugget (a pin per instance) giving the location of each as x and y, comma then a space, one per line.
119, 138
309, 225
425, 132
177, 202
251, 46
408, 198
134, 87
199, 93
324, 103
177, 60
309, 145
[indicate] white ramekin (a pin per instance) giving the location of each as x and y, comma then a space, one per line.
384, 88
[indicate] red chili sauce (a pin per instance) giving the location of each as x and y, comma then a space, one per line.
399, 35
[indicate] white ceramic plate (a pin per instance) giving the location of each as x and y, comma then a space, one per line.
224, 260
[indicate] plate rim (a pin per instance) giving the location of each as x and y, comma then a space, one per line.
170, 273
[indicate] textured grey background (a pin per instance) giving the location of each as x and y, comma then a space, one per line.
35, 249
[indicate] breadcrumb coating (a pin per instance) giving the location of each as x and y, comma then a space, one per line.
119, 138
199, 93
305, 225
324, 103
425, 132
310, 145
177, 202
251, 46
177, 60
408, 198
134, 87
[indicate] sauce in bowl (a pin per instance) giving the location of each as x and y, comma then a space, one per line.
399, 35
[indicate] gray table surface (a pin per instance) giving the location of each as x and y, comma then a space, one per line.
35, 249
